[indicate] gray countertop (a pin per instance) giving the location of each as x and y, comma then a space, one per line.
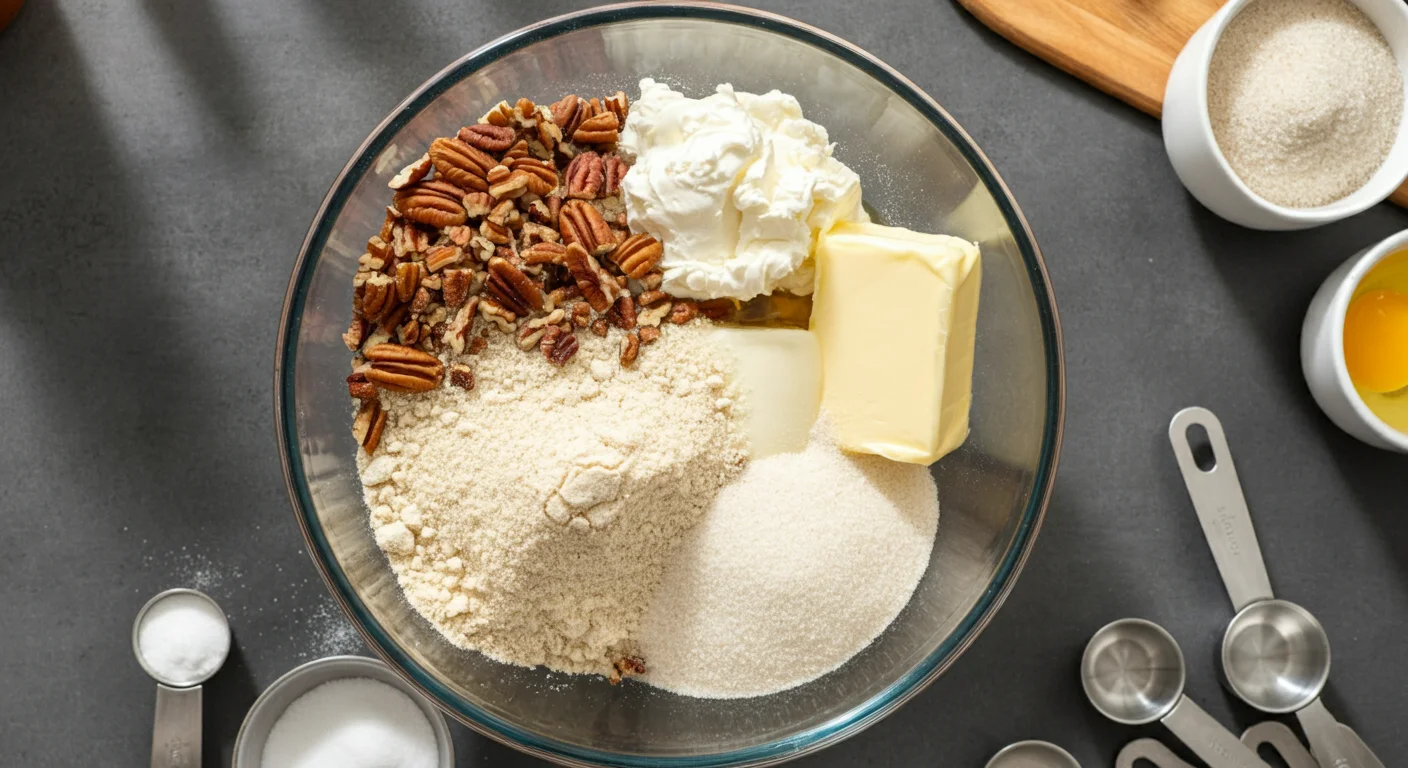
161, 160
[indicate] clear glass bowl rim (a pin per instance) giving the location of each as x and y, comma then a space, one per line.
780, 750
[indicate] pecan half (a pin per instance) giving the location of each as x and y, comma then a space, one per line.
615, 170
402, 369
378, 296
409, 332
442, 256
549, 135
646, 298
596, 286
683, 312
580, 222
408, 274
506, 184
529, 335
517, 151
392, 216
558, 345
411, 173
584, 176
459, 329
638, 255
533, 233
487, 137
455, 286
436, 203
618, 105
460, 164
598, 129
462, 376
567, 113
623, 313
500, 114
360, 388
477, 204
378, 248
356, 334
630, 349
563, 294
512, 288
544, 253
542, 175
369, 424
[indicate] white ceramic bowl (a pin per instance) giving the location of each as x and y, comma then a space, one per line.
270, 706
1200, 164
1322, 350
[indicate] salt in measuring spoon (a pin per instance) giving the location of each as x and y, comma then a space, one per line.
1133, 673
176, 734
1275, 655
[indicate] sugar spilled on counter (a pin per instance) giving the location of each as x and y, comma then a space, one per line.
183, 638
352, 723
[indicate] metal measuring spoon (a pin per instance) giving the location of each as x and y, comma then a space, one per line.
1133, 673
1281, 739
1275, 655
176, 734
1153, 750
1269, 733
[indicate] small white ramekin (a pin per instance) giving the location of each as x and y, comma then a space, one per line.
1200, 164
1322, 349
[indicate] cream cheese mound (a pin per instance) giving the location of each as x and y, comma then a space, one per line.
736, 185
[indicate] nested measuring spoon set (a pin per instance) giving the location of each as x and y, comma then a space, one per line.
1275, 656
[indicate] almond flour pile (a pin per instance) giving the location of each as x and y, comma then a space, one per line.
532, 517
540, 424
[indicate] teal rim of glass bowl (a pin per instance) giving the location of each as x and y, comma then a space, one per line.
804, 742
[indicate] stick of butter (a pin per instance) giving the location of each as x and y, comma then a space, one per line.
896, 315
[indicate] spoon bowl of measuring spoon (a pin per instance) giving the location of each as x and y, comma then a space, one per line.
1275, 655
1133, 673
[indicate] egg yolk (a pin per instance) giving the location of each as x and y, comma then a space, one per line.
1376, 340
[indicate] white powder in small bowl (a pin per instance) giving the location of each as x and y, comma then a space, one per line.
183, 638
352, 723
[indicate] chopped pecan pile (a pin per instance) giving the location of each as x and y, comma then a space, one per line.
516, 224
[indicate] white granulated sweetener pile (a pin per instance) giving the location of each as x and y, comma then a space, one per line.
531, 517
183, 638
352, 723
1305, 98
797, 567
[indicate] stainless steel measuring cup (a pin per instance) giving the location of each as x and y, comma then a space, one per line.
176, 734
1275, 655
1133, 673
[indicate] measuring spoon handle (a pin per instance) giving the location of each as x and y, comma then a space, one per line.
1282, 739
1222, 509
1327, 740
1208, 739
1361, 750
176, 735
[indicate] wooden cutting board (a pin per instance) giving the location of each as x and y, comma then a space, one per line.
1123, 47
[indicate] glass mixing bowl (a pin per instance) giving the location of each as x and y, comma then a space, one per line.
919, 169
